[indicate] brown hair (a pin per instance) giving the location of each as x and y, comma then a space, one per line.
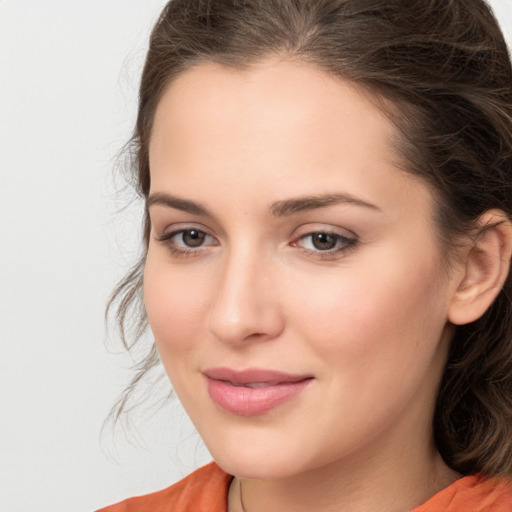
444, 66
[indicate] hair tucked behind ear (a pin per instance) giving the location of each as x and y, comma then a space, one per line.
443, 67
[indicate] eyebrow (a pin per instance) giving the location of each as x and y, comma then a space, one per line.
278, 209
177, 203
300, 204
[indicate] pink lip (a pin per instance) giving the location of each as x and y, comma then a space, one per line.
252, 391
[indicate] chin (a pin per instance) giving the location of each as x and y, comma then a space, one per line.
262, 468
261, 461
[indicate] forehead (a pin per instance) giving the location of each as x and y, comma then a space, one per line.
273, 101
281, 123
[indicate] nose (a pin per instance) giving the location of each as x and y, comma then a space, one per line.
245, 306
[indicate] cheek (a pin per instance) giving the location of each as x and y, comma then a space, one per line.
175, 301
374, 337
388, 310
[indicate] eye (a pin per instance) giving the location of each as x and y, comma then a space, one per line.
186, 241
325, 243
190, 238
322, 241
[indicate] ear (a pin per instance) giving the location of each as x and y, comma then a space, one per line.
485, 267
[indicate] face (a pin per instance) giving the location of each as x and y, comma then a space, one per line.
293, 279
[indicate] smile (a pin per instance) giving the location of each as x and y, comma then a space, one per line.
254, 391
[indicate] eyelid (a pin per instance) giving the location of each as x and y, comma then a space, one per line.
331, 233
179, 227
312, 228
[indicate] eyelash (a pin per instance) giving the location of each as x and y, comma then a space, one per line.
343, 244
168, 240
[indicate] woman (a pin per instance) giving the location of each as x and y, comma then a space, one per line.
327, 251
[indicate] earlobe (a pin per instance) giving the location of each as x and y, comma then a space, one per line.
485, 269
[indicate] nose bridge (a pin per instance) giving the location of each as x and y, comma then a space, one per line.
243, 306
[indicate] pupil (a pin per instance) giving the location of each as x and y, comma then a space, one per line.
193, 237
324, 241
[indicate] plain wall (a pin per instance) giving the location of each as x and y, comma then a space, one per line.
68, 86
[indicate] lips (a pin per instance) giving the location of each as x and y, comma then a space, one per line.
253, 391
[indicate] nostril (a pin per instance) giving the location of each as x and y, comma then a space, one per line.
255, 335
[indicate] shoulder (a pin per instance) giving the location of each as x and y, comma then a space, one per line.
473, 493
204, 490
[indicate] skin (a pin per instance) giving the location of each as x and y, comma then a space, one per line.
369, 323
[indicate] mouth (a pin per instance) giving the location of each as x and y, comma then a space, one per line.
253, 391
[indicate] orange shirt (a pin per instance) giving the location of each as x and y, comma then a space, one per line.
206, 490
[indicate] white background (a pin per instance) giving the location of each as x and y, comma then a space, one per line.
68, 86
